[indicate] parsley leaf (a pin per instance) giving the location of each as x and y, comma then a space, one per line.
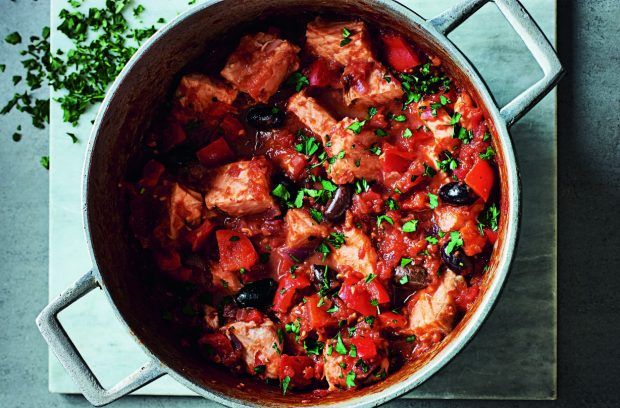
340, 347
336, 239
488, 154
455, 242
432, 201
285, 382
385, 218
13, 38
298, 80
356, 127
346, 37
350, 380
317, 215
410, 226
407, 133
405, 261
361, 186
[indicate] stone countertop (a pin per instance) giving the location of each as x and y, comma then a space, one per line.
588, 135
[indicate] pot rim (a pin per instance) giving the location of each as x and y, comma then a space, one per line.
510, 226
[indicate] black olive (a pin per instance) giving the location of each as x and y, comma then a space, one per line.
265, 117
324, 278
338, 205
258, 294
455, 260
412, 277
457, 193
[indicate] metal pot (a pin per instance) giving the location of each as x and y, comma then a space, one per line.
130, 104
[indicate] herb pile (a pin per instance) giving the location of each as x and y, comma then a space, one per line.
103, 40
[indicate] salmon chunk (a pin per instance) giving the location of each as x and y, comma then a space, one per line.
261, 345
358, 160
242, 188
185, 209
199, 92
312, 115
260, 64
369, 83
329, 40
357, 253
302, 230
435, 311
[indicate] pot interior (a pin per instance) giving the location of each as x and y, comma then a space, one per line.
127, 114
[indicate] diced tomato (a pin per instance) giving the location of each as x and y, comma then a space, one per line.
317, 316
300, 369
173, 135
233, 129
217, 152
356, 297
285, 294
167, 260
491, 235
399, 53
151, 173
377, 291
466, 297
481, 178
395, 159
236, 250
197, 237
392, 320
366, 348
323, 73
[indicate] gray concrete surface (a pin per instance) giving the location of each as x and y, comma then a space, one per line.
588, 187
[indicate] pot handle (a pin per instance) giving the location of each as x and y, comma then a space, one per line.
64, 349
532, 36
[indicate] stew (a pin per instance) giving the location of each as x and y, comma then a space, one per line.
319, 201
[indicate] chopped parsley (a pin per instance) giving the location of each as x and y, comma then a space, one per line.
380, 132
285, 382
407, 133
336, 239
298, 80
410, 226
455, 242
316, 214
361, 186
489, 218
456, 118
314, 347
350, 379
281, 192
353, 351
400, 118
372, 111
13, 38
323, 248
308, 146
294, 327
375, 149
432, 240
346, 37
382, 218
392, 204
432, 201
356, 127
410, 339
449, 163
488, 154
234, 238
463, 134
340, 347
405, 261
428, 171
404, 280
370, 277
259, 369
